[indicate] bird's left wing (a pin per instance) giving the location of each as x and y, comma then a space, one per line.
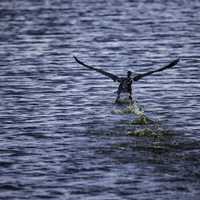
110, 75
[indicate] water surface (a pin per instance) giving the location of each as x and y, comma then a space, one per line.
59, 138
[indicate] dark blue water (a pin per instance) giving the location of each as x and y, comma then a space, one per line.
59, 137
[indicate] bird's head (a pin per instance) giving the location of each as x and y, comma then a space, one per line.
129, 74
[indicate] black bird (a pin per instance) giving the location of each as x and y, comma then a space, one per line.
125, 84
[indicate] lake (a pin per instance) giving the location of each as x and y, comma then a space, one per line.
60, 138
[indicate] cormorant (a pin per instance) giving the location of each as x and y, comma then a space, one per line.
125, 83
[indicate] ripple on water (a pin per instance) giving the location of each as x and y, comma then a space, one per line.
59, 138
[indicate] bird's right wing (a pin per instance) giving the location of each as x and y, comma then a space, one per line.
112, 76
140, 76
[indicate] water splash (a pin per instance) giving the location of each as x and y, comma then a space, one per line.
133, 108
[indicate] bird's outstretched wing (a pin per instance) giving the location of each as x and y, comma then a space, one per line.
112, 76
140, 76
